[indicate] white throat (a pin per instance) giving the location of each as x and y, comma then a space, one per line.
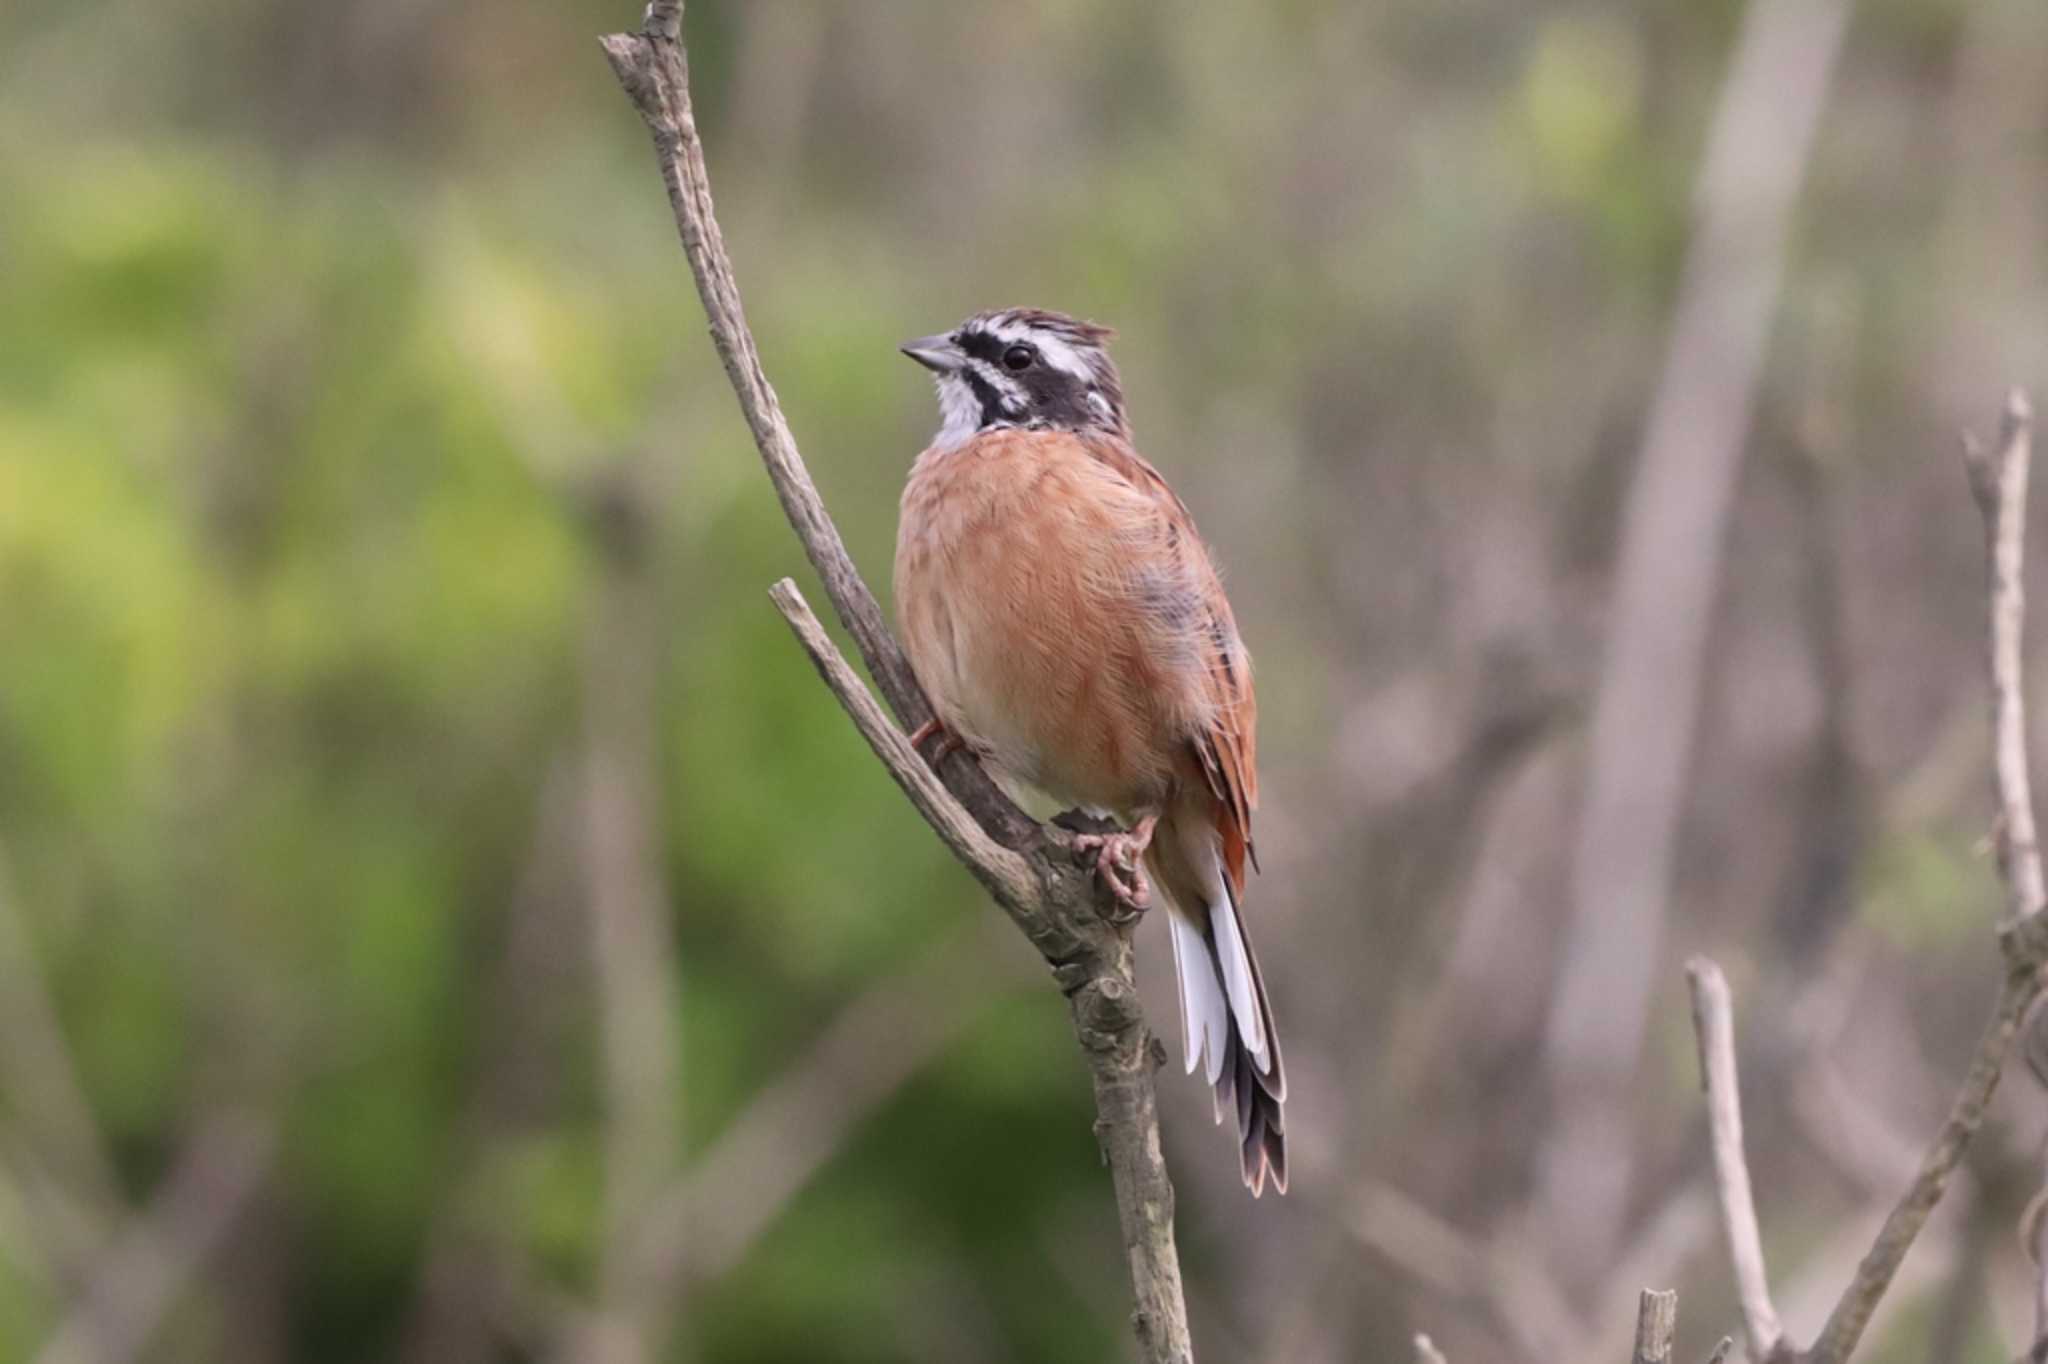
959, 413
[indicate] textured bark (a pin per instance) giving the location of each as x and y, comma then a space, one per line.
1656, 1321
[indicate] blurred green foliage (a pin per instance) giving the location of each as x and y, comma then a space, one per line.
322, 329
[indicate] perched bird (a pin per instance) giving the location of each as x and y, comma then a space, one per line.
1067, 623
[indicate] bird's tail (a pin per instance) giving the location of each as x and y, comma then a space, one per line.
1227, 1027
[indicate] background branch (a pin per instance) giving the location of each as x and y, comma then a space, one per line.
1998, 478
1714, 1023
1656, 1320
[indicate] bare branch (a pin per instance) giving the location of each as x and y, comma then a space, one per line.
653, 67
1031, 872
1713, 1021
1656, 1320
1874, 1275
1999, 480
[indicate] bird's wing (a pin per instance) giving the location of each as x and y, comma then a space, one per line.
1225, 743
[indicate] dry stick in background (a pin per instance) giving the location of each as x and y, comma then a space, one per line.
1031, 871
1656, 1324
1656, 1321
1713, 1019
1999, 480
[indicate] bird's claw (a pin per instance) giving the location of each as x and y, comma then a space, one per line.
949, 742
1118, 862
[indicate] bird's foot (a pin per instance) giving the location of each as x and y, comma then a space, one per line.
949, 742
1118, 861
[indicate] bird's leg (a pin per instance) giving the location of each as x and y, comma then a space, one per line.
1117, 862
948, 740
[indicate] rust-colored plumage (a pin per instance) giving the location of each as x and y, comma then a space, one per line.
1067, 622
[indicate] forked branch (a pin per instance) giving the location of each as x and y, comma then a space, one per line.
1029, 870
1998, 478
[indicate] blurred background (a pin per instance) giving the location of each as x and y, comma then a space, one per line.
442, 918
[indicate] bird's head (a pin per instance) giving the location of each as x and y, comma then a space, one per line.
1025, 368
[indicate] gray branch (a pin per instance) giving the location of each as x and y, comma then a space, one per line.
1029, 870
1713, 1019
1998, 478
1656, 1321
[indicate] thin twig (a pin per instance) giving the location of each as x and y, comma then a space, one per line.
1999, 480
653, 67
1713, 1021
1874, 1275
1031, 872
1656, 1320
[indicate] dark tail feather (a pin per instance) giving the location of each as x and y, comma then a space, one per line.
1254, 1096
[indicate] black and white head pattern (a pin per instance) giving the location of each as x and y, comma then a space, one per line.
1029, 369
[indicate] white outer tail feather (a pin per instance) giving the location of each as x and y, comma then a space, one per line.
1204, 1016
1207, 1003
1237, 981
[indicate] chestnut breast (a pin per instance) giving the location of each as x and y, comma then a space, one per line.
1054, 612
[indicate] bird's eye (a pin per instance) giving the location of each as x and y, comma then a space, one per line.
1019, 356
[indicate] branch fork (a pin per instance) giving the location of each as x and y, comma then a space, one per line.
1998, 480
1037, 875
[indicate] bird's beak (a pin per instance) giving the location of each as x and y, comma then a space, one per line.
936, 353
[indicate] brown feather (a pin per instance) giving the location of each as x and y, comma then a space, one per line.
1061, 611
